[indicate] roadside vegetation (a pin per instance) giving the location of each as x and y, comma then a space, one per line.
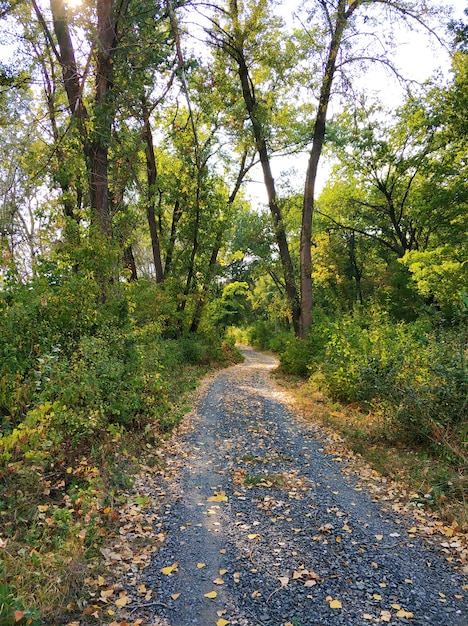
129, 247
87, 388
397, 391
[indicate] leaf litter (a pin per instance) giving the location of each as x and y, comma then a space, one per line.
143, 531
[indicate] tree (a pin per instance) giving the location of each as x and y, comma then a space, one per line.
245, 23
341, 25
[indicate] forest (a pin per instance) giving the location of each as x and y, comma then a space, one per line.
134, 253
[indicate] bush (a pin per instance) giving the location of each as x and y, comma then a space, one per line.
414, 375
266, 336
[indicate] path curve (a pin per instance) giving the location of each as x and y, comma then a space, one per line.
257, 512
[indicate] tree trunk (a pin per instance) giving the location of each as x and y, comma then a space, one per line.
176, 215
96, 150
129, 263
317, 145
150, 201
280, 233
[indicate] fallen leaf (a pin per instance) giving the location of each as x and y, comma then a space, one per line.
335, 604
121, 602
379, 537
18, 615
222, 622
256, 594
211, 595
170, 569
201, 565
218, 497
174, 596
253, 536
222, 572
284, 581
218, 581
377, 596
222, 551
385, 616
405, 614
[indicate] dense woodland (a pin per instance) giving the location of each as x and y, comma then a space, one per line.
130, 246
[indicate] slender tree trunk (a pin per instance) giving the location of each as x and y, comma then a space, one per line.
129, 263
201, 302
203, 297
316, 151
151, 172
280, 233
176, 215
95, 150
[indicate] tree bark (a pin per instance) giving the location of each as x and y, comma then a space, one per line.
151, 173
95, 149
262, 148
342, 17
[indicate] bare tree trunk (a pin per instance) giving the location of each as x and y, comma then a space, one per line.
96, 150
280, 233
316, 151
176, 215
150, 201
129, 263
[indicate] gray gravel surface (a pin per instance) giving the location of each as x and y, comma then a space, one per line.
282, 532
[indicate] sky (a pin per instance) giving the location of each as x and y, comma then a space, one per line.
418, 57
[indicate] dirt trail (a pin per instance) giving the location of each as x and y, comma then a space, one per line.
258, 513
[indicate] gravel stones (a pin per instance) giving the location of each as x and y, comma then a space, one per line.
260, 515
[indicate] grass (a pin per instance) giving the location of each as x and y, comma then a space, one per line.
434, 481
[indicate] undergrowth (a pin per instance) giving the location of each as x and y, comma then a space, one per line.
85, 387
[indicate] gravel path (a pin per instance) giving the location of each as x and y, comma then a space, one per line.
258, 513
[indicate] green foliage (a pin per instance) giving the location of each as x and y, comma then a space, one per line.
413, 374
267, 336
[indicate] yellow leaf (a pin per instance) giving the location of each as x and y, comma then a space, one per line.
382, 585
347, 528
218, 497
201, 565
335, 604
170, 569
174, 596
385, 616
284, 581
338, 539
218, 581
121, 602
222, 622
379, 537
110, 612
211, 595
412, 530
405, 614
397, 607
222, 572
141, 589
377, 596
253, 536
223, 551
